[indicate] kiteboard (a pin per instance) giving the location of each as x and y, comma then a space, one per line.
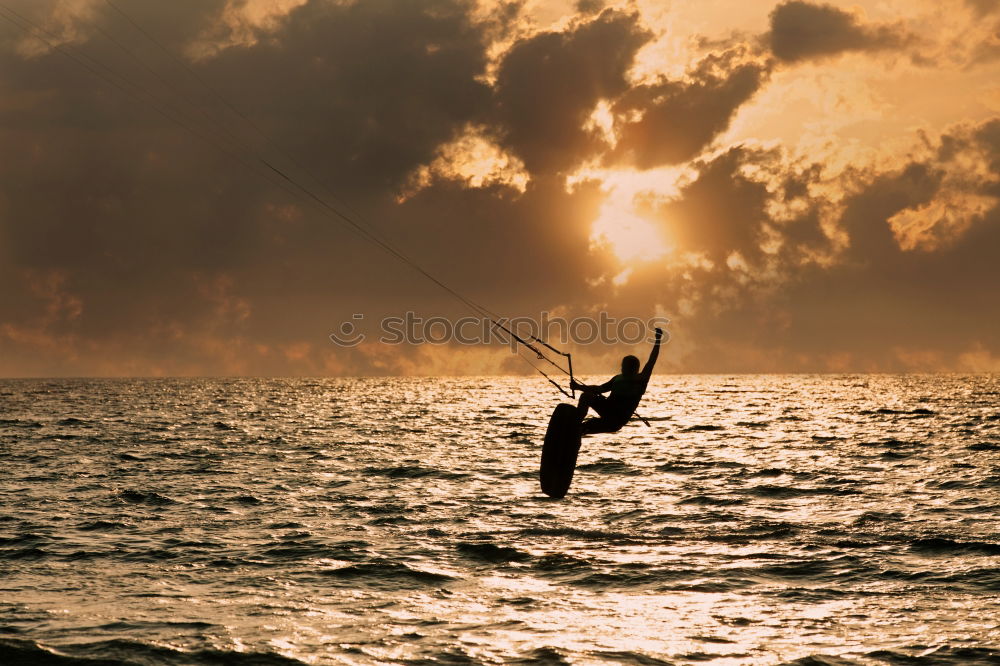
562, 444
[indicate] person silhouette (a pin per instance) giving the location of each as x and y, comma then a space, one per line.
626, 390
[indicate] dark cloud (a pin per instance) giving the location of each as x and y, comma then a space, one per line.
130, 245
172, 23
896, 300
184, 258
589, 6
803, 31
987, 136
679, 119
548, 86
816, 303
156, 233
984, 7
988, 50
721, 212
362, 92
866, 214
537, 250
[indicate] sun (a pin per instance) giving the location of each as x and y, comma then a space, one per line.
630, 236
626, 222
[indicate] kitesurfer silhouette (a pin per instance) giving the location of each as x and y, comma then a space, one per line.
626, 390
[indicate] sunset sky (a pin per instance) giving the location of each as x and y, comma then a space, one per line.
797, 186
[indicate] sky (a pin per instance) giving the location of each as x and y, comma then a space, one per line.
796, 186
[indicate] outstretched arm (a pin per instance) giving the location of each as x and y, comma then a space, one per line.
647, 370
586, 388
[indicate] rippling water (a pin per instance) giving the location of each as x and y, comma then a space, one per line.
759, 520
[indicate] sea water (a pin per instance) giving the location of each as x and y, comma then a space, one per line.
756, 520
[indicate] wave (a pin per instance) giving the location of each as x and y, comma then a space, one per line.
941, 656
671, 578
983, 446
413, 472
122, 625
771, 491
456, 536
710, 500
820, 569
489, 552
870, 517
304, 550
140, 497
769, 472
950, 484
821, 660
582, 534
627, 657
27, 538
949, 546
247, 500
455, 655
610, 466
524, 474
386, 571
885, 411
893, 443
979, 580
759, 532
18, 423
680, 468
30, 553
119, 652
562, 563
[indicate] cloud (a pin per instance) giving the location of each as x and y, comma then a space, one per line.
984, 7
867, 214
130, 245
136, 213
806, 31
822, 277
549, 84
722, 211
589, 6
988, 49
677, 120
362, 92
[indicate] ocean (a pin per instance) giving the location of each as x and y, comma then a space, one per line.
758, 519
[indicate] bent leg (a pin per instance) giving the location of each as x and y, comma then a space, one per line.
600, 425
588, 400
612, 419
593, 427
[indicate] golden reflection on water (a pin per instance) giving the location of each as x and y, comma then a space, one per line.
759, 520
